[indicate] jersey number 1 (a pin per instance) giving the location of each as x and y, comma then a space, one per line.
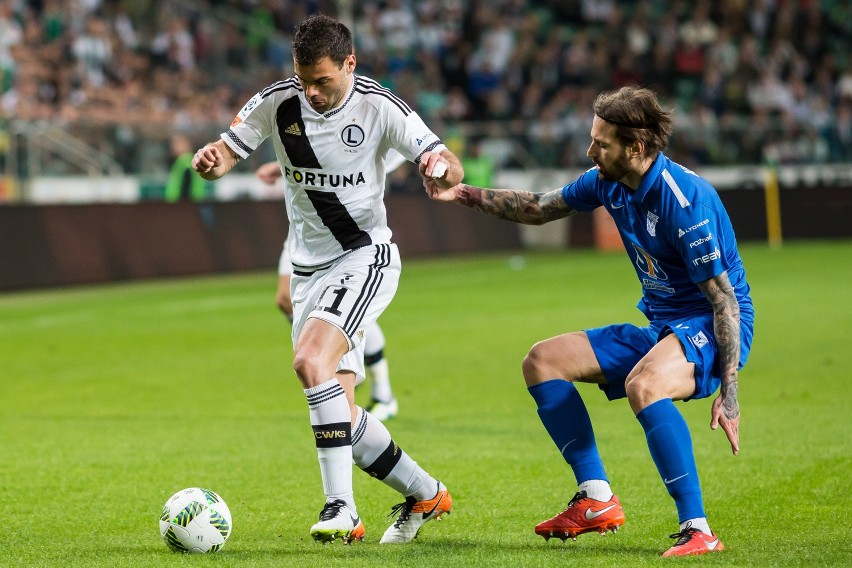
338, 294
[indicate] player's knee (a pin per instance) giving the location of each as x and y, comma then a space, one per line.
641, 390
310, 368
536, 365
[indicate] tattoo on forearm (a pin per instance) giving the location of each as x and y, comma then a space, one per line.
519, 206
730, 405
726, 327
471, 196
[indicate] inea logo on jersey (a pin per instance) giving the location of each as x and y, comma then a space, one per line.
321, 179
708, 258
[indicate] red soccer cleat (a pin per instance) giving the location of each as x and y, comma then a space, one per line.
583, 515
692, 541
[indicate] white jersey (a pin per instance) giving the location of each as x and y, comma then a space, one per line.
285, 267
333, 163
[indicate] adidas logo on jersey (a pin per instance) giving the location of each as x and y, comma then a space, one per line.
293, 129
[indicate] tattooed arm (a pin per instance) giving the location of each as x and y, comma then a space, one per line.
726, 327
520, 206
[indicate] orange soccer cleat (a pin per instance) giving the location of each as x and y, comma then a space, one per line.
691, 541
583, 515
413, 514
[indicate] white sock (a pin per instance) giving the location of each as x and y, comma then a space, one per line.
377, 365
378, 455
699, 523
380, 387
374, 338
597, 489
329, 411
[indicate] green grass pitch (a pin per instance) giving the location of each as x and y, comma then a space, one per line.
114, 397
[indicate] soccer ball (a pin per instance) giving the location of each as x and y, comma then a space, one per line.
195, 520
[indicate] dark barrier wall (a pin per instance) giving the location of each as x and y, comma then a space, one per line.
806, 213
43, 246
78, 244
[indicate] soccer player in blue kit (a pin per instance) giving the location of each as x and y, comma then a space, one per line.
700, 316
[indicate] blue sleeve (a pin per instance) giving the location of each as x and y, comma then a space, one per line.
700, 237
582, 194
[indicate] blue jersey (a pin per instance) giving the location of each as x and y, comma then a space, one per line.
676, 232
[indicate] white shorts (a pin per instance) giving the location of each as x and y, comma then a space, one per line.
350, 295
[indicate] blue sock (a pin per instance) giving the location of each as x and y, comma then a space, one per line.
566, 419
671, 449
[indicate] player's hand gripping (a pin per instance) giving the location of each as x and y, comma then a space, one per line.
726, 411
436, 185
433, 166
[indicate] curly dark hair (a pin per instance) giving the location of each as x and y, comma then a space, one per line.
320, 36
637, 116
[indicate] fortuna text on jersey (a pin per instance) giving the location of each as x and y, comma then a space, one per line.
320, 179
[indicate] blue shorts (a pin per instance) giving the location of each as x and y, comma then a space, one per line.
620, 347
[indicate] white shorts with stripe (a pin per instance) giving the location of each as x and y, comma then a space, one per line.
350, 294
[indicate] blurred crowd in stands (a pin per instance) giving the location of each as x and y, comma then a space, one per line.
751, 79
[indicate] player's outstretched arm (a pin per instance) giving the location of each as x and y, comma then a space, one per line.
214, 160
726, 326
519, 206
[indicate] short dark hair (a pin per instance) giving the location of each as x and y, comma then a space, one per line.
637, 116
320, 36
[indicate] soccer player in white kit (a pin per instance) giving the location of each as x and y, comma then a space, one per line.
331, 130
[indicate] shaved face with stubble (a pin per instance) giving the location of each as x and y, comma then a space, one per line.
608, 152
326, 83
